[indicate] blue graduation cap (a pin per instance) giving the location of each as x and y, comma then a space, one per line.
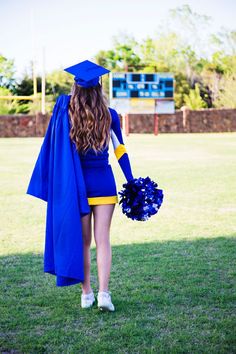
87, 73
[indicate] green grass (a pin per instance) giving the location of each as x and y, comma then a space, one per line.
172, 278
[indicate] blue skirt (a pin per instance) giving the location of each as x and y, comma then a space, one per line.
100, 184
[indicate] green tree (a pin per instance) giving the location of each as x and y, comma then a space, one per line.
191, 27
11, 106
224, 41
125, 52
182, 88
194, 99
160, 53
6, 106
25, 86
7, 72
227, 92
123, 57
59, 82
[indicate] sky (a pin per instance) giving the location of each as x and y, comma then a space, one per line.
74, 30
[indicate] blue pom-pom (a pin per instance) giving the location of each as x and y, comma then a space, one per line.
140, 198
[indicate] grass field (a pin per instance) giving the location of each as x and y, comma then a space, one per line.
172, 278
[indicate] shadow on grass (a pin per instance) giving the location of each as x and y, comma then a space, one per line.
170, 296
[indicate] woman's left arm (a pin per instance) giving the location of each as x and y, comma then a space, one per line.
119, 146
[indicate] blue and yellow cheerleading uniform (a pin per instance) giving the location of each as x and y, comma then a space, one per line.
98, 174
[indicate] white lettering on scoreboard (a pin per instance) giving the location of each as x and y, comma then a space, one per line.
122, 94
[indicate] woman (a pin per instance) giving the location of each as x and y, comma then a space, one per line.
93, 123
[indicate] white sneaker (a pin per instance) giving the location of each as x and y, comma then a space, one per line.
104, 301
87, 300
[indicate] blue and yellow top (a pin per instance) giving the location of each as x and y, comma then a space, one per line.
98, 175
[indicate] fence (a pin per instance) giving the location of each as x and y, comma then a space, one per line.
183, 121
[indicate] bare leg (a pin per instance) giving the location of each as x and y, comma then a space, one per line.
102, 222
87, 238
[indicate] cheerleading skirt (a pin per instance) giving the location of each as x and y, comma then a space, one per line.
100, 184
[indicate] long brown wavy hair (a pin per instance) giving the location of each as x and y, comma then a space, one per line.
90, 118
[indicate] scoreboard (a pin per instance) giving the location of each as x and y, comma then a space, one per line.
141, 85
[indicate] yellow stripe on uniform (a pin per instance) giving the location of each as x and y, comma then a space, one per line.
120, 151
103, 200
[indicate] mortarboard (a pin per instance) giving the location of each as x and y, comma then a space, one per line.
87, 73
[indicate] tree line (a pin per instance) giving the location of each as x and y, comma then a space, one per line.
203, 64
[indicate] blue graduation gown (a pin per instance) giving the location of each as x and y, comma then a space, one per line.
57, 178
